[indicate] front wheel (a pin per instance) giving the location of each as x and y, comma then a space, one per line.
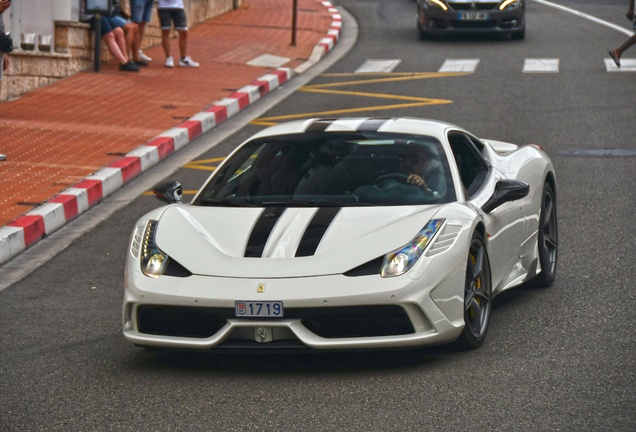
548, 238
477, 295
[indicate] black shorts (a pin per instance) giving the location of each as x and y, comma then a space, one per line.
178, 16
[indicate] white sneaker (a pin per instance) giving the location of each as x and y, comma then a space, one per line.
169, 62
187, 62
144, 57
2, 157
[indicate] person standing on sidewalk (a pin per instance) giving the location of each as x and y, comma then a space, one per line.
618, 52
4, 58
172, 10
140, 12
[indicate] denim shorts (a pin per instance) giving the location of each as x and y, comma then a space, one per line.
109, 24
178, 16
140, 10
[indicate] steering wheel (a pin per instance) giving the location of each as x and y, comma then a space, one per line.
399, 177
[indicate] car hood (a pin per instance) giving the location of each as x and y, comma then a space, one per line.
215, 240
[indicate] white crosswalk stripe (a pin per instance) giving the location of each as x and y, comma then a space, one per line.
459, 65
540, 65
378, 66
627, 65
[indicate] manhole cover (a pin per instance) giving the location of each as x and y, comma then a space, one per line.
606, 152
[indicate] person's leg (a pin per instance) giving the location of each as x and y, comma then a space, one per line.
183, 43
165, 42
130, 30
113, 47
118, 32
621, 49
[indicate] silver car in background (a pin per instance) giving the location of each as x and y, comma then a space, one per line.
471, 16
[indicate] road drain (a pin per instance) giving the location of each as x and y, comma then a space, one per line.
604, 153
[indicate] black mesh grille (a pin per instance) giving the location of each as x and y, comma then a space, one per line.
359, 321
181, 321
332, 322
473, 6
473, 24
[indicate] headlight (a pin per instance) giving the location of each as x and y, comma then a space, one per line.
401, 260
438, 3
153, 261
509, 3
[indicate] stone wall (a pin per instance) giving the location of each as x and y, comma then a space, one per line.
73, 51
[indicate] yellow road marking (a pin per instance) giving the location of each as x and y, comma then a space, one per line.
384, 77
376, 95
352, 110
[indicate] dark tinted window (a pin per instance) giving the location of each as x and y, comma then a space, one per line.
328, 168
472, 167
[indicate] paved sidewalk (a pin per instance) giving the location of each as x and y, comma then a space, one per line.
64, 142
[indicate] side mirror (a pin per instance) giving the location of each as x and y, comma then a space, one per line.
169, 193
505, 191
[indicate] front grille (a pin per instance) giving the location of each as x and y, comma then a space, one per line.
473, 24
333, 322
355, 321
473, 6
181, 321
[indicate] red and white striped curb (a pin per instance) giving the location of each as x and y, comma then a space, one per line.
29, 228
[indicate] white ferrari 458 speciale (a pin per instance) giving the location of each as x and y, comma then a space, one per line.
353, 233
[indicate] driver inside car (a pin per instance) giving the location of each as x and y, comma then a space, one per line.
414, 163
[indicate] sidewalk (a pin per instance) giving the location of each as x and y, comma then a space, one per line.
64, 142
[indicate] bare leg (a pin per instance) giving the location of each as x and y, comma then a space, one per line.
628, 43
113, 47
183, 42
140, 34
118, 32
130, 29
165, 42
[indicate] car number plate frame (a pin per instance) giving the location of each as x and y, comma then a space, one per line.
472, 16
258, 309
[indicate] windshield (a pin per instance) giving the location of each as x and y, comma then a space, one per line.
333, 169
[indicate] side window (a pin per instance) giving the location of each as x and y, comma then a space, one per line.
472, 167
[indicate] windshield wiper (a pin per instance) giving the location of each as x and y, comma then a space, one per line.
226, 202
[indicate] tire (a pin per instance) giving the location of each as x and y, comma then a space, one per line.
477, 295
548, 238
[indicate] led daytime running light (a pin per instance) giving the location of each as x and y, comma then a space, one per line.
507, 3
442, 5
401, 260
153, 261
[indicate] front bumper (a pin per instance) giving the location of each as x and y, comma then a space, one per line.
428, 321
434, 20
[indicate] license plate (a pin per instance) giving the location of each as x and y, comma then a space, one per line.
472, 16
259, 308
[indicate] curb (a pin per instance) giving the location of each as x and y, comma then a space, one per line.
28, 229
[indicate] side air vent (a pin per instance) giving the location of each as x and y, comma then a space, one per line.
370, 268
444, 240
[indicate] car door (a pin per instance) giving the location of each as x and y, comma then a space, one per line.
504, 224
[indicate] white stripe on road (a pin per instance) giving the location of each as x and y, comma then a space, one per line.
378, 66
588, 17
459, 65
539, 65
627, 65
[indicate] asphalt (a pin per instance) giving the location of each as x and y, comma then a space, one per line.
72, 143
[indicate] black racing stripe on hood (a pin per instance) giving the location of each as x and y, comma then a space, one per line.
261, 231
316, 230
372, 125
320, 125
